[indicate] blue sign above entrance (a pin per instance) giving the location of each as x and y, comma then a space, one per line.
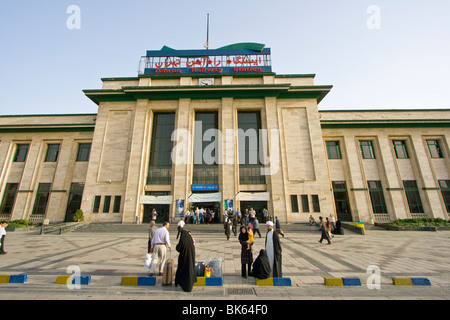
204, 187
237, 58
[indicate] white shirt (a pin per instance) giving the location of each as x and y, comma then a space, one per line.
2, 232
181, 224
161, 236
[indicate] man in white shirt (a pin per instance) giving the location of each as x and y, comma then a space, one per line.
158, 248
3, 226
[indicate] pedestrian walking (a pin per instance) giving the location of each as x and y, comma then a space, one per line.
159, 245
256, 227
154, 215
235, 223
278, 227
273, 249
3, 226
323, 228
227, 227
265, 215
151, 232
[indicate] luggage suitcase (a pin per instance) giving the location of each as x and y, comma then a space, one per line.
168, 272
200, 268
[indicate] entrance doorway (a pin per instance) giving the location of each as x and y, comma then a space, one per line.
214, 206
341, 201
162, 211
258, 206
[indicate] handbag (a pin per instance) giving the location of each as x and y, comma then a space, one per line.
148, 261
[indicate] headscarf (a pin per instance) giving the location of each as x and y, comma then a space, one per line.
243, 236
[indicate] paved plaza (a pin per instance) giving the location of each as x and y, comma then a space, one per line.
107, 257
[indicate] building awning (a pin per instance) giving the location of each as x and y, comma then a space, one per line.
157, 199
205, 197
253, 196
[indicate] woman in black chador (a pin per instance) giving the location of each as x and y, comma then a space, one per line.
246, 252
186, 275
261, 266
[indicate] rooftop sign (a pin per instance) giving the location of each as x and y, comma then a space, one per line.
237, 58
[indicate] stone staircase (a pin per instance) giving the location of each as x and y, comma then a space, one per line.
213, 228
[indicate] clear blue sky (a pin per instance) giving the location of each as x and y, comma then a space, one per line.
44, 66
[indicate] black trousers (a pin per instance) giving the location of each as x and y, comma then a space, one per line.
2, 247
245, 267
324, 236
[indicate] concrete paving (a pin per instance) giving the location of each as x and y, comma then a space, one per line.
108, 256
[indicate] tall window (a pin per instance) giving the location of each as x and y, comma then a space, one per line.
9, 198
21, 152
52, 153
42, 195
367, 149
445, 190
294, 203
333, 150
413, 196
206, 146
160, 170
106, 204
84, 151
249, 123
377, 197
434, 148
400, 149
96, 207
116, 207
305, 203
315, 202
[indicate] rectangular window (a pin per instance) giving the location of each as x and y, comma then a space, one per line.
9, 198
445, 190
400, 149
315, 202
42, 195
116, 207
206, 168
249, 124
305, 204
52, 153
367, 149
413, 196
435, 150
333, 150
294, 203
97, 200
377, 197
106, 204
21, 153
84, 150
160, 166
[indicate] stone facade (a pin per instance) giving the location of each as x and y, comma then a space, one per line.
300, 183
